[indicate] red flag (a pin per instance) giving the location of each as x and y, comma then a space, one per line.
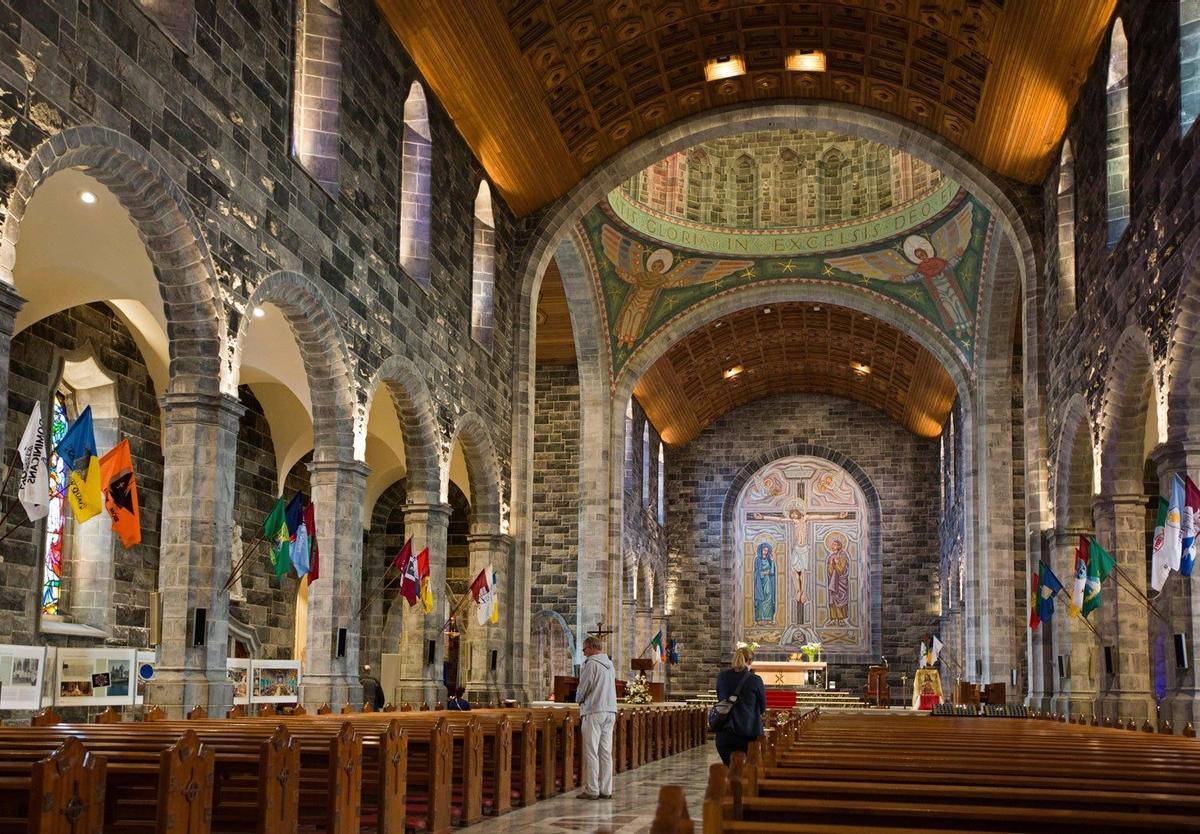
403, 556
410, 581
423, 580
314, 555
1034, 588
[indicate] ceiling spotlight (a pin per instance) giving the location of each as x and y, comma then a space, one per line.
805, 60
259, 312
734, 371
816, 309
725, 66
766, 310
860, 369
87, 198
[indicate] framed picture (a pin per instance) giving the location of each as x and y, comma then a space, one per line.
94, 677
22, 675
276, 681
238, 670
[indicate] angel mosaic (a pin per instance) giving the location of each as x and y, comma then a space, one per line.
934, 257
649, 275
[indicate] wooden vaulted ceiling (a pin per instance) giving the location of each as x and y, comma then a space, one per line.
545, 90
794, 347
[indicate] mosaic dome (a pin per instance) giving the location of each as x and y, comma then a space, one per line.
782, 190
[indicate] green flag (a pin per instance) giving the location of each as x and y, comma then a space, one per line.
275, 531
1100, 565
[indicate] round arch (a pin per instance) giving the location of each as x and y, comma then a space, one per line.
1183, 357
196, 331
404, 383
483, 471
1074, 468
1131, 390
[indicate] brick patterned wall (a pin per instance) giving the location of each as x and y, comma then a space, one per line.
556, 490
902, 467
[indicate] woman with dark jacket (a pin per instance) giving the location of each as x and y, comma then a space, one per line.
745, 719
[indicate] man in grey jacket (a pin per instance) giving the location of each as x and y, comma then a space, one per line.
597, 699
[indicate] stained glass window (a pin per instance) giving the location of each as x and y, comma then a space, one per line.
56, 520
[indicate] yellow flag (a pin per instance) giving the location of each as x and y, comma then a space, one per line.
84, 495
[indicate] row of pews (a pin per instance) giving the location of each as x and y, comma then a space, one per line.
903, 774
395, 771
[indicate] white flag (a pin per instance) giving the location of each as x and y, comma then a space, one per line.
34, 491
937, 650
483, 592
924, 654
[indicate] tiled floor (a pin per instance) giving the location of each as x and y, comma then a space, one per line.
630, 811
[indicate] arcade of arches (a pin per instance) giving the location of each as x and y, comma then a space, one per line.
782, 356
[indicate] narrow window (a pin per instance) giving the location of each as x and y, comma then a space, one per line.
662, 490
61, 408
1189, 63
415, 194
1117, 128
629, 445
483, 268
1066, 235
646, 464
317, 90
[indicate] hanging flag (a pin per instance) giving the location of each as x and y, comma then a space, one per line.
673, 652
423, 577
84, 493
923, 657
1050, 587
120, 493
1189, 525
495, 617
79, 443
78, 449
410, 580
275, 530
298, 538
936, 650
481, 592
34, 489
1034, 586
1081, 569
657, 644
1160, 561
1100, 565
314, 555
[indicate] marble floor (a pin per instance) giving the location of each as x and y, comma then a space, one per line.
630, 811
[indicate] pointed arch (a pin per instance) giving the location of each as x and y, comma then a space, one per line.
175, 244
1066, 234
1129, 424
483, 268
399, 376
1117, 129
416, 196
323, 349
1074, 468
483, 470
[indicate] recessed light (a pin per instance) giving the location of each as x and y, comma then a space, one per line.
734, 371
766, 310
725, 66
805, 60
87, 197
259, 312
860, 368
816, 309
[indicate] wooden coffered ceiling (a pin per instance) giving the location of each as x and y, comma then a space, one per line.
794, 347
555, 339
545, 90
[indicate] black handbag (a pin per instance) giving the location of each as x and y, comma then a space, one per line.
718, 713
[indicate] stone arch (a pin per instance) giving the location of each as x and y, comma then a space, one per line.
550, 656
1131, 387
1073, 468
874, 526
483, 469
410, 395
188, 285
1183, 359
326, 356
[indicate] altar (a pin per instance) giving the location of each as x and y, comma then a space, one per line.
793, 672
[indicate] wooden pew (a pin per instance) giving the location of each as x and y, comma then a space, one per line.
61, 793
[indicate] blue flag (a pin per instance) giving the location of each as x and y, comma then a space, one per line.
298, 533
78, 445
1050, 588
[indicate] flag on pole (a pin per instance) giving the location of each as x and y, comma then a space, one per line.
423, 576
495, 615
659, 650
1164, 552
1081, 569
78, 449
936, 650
410, 581
923, 657
299, 541
79, 443
314, 554
1100, 565
1034, 593
1050, 587
482, 593
275, 531
120, 493
1189, 525
673, 651
34, 490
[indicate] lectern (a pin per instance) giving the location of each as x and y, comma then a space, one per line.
877, 689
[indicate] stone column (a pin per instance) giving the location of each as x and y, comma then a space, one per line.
1121, 529
484, 683
333, 599
10, 305
1078, 644
421, 679
199, 462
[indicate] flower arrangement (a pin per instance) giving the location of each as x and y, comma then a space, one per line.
810, 651
638, 690
752, 646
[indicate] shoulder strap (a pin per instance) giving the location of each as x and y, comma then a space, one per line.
742, 682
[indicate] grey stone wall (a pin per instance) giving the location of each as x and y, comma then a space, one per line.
904, 471
556, 490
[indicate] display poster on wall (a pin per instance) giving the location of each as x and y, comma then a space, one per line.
94, 677
276, 681
22, 673
238, 670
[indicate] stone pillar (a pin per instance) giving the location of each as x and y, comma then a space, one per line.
337, 495
10, 305
421, 679
200, 456
1077, 643
484, 683
1121, 529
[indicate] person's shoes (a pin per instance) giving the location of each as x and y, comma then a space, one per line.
586, 795
605, 796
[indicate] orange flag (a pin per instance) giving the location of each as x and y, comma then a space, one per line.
120, 493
